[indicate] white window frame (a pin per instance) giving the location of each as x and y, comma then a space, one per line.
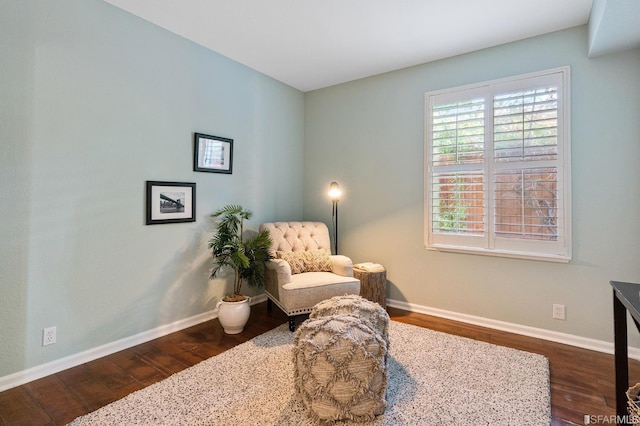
490, 244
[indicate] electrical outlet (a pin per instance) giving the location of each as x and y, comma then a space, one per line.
48, 336
559, 312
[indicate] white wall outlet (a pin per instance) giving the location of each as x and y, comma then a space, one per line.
48, 336
559, 312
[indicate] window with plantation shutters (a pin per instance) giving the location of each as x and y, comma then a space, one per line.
497, 167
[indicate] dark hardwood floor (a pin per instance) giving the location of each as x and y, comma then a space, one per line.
582, 381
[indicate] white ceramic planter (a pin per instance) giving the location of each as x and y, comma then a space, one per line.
234, 315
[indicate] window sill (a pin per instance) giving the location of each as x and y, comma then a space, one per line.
501, 253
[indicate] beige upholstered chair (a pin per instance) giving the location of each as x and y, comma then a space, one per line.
304, 272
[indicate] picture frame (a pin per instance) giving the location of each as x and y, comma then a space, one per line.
170, 202
212, 154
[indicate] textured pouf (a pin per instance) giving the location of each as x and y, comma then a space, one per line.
357, 306
340, 368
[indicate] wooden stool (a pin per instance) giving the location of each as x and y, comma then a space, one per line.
373, 283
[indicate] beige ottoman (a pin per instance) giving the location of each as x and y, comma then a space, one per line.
340, 368
358, 307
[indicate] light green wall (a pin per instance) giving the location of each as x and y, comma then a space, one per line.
94, 102
368, 135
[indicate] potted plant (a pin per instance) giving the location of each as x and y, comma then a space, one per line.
246, 256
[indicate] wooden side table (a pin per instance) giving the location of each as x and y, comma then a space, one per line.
373, 283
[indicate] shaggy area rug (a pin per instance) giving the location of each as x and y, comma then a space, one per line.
434, 379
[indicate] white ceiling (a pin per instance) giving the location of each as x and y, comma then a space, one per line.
311, 44
614, 25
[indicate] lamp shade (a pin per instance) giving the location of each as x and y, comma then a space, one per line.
334, 191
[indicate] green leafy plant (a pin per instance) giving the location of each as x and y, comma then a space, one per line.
246, 257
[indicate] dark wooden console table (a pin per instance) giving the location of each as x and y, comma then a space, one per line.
626, 297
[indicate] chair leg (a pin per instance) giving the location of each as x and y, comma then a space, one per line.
292, 323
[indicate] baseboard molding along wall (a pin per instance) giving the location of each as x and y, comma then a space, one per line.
553, 336
40, 371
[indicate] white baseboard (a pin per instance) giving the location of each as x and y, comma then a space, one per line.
40, 371
540, 333
34, 373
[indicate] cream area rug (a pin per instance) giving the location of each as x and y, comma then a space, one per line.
434, 379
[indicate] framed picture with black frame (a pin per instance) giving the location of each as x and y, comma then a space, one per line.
170, 202
212, 154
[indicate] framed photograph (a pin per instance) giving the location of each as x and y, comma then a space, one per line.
170, 202
212, 154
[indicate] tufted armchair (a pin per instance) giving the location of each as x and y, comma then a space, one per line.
304, 272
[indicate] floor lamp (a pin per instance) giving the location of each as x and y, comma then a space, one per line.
334, 194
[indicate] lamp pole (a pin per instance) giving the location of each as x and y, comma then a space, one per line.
334, 194
335, 224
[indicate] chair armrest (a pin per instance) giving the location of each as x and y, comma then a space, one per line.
342, 265
281, 268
